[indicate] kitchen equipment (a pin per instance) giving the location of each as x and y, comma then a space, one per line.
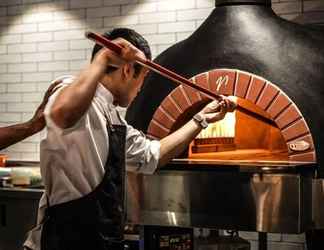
3, 159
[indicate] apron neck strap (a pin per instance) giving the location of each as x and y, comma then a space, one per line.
109, 120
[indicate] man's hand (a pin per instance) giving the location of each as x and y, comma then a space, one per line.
74, 100
129, 52
216, 110
15, 133
37, 121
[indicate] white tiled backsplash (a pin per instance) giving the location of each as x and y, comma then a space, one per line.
42, 39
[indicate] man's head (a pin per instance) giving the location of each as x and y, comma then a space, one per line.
127, 80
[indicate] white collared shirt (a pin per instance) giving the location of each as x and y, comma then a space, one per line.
73, 159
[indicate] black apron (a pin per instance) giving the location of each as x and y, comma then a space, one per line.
94, 221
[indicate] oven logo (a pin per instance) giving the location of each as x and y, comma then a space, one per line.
222, 80
299, 146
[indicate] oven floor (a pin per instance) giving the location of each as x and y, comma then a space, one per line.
244, 154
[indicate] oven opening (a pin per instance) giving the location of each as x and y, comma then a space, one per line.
240, 137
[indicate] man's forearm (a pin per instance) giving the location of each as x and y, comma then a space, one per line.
75, 99
175, 143
15, 133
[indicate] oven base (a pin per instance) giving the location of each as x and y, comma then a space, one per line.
222, 199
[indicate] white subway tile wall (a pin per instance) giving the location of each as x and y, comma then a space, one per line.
42, 39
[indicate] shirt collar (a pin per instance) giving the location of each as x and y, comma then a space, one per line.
105, 95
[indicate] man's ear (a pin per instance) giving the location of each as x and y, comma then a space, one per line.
128, 71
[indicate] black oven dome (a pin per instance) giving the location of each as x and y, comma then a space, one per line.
231, 2
252, 38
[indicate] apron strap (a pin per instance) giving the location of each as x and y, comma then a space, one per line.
47, 201
109, 120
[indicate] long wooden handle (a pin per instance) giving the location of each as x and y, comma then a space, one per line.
103, 41
151, 65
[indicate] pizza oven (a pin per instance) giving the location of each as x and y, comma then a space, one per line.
283, 135
247, 172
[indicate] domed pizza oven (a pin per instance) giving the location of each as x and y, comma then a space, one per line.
271, 65
254, 170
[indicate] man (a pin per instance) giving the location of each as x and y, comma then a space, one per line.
83, 157
15, 133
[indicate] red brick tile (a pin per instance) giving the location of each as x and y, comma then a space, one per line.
180, 99
185, 95
170, 107
298, 128
202, 81
176, 104
192, 94
242, 84
279, 104
222, 81
289, 115
162, 117
255, 88
157, 130
307, 157
268, 94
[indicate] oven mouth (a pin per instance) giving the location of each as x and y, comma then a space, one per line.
240, 137
248, 139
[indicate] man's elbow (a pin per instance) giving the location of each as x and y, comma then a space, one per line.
61, 117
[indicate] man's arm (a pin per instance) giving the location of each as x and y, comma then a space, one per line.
15, 133
175, 143
74, 100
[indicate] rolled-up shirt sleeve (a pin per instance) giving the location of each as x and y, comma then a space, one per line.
142, 154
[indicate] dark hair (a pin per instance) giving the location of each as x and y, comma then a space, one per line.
131, 36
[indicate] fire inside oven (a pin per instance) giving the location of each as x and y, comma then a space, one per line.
239, 136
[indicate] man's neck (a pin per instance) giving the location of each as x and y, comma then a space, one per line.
112, 87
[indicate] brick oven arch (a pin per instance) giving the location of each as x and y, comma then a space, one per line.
266, 95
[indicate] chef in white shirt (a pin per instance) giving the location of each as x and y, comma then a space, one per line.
88, 143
